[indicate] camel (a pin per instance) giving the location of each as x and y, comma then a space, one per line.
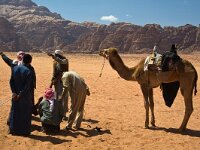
185, 73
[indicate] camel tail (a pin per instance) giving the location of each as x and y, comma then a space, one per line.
195, 82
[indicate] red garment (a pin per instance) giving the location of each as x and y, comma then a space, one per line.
49, 93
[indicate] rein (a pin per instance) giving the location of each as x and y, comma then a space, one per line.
102, 67
101, 71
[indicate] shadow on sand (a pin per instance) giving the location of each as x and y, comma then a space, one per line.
86, 132
48, 138
190, 132
51, 137
83, 132
90, 121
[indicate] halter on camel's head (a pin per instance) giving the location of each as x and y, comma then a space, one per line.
106, 52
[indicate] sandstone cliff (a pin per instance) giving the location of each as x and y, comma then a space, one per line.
26, 26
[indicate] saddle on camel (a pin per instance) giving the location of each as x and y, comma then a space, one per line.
163, 63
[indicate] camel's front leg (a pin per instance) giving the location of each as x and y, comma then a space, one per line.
146, 104
151, 102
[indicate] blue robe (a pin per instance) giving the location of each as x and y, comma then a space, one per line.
10, 63
21, 83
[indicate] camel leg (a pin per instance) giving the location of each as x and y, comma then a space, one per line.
146, 104
151, 102
186, 90
187, 94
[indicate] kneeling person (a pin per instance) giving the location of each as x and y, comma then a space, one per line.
50, 111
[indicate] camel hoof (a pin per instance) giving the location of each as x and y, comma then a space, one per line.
181, 129
153, 124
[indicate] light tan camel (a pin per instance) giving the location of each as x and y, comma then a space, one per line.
185, 73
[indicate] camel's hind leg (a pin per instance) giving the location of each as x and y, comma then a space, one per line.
186, 91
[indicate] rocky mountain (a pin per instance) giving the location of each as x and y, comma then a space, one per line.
26, 26
27, 3
10, 40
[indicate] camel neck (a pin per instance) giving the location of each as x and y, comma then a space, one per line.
117, 64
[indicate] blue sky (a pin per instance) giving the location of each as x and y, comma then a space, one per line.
139, 12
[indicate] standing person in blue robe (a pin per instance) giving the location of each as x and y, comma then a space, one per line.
12, 63
15, 62
21, 87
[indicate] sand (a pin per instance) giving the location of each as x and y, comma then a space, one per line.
115, 105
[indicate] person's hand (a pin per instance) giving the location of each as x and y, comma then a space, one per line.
50, 86
50, 54
60, 98
15, 97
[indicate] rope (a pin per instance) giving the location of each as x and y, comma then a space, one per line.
102, 67
101, 71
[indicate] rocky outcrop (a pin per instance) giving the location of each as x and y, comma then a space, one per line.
131, 38
9, 39
27, 3
24, 25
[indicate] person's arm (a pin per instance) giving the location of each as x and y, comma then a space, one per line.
64, 91
61, 110
7, 60
12, 83
60, 61
40, 108
87, 88
53, 79
34, 77
67, 65
15, 97
66, 82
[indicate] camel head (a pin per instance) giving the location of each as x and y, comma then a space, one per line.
107, 52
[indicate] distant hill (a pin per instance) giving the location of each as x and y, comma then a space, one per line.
26, 26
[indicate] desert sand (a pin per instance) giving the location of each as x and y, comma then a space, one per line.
115, 105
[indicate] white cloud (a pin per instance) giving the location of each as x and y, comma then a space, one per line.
110, 18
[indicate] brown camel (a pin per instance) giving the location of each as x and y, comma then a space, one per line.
185, 73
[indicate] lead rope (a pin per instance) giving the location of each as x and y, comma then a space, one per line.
100, 74
101, 71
